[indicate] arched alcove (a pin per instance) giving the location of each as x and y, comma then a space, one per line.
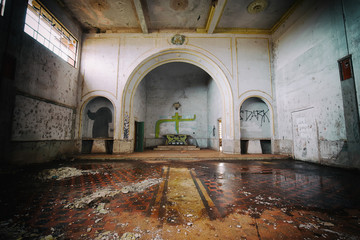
210, 65
178, 98
255, 126
97, 123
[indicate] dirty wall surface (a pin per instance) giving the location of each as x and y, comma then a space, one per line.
171, 83
45, 93
310, 121
109, 61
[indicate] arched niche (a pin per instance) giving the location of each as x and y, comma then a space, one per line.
255, 126
97, 123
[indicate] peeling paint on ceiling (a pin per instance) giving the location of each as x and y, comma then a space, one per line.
189, 15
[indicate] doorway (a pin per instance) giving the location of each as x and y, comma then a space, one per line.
139, 136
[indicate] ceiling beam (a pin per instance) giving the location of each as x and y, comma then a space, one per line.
141, 16
215, 16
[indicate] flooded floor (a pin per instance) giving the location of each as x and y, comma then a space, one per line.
278, 199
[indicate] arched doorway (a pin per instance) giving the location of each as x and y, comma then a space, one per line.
255, 126
211, 66
97, 126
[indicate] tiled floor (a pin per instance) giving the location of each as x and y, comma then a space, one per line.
269, 199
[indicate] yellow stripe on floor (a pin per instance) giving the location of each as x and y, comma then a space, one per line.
184, 204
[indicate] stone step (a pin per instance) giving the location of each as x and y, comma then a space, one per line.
176, 148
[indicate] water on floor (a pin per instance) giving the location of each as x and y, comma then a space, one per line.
282, 199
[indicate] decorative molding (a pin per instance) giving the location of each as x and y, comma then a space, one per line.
257, 6
178, 39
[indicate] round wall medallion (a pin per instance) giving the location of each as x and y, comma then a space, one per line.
257, 6
178, 39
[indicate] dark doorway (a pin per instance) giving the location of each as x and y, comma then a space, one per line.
139, 136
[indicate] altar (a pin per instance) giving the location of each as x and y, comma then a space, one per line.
176, 139
177, 142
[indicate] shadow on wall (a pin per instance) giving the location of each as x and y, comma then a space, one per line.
97, 124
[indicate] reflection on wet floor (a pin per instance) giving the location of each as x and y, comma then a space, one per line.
282, 199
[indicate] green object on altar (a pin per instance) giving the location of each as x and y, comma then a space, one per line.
173, 139
176, 118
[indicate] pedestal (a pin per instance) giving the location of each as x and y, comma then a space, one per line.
98, 146
254, 147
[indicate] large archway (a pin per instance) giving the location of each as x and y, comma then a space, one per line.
178, 98
194, 57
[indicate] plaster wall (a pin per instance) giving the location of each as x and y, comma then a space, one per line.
39, 120
255, 119
214, 109
45, 98
140, 102
171, 83
221, 56
310, 123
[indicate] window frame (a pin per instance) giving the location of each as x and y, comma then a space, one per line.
45, 28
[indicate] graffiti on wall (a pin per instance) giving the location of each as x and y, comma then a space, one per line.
254, 115
126, 126
176, 118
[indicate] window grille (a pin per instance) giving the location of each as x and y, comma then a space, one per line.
46, 29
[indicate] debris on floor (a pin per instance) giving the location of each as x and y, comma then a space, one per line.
62, 173
109, 192
48, 237
130, 236
141, 186
89, 199
140, 200
108, 235
101, 208
11, 230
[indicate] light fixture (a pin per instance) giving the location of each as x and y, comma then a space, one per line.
177, 105
257, 6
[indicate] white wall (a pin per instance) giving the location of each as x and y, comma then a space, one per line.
214, 113
139, 106
111, 64
255, 119
310, 120
171, 83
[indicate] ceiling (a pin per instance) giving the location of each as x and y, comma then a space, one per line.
204, 16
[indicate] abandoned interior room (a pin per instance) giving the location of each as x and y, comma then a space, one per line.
180, 119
